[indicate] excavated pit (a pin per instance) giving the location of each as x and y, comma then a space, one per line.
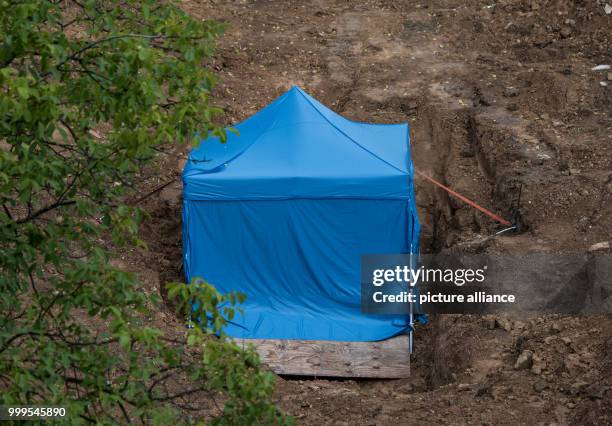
448, 145
452, 147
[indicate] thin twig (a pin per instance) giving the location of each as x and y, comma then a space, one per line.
159, 188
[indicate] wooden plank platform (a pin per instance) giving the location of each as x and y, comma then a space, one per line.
388, 359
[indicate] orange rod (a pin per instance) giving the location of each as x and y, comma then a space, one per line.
465, 200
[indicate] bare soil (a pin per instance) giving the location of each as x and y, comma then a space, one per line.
501, 97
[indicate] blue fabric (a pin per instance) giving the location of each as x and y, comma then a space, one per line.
283, 211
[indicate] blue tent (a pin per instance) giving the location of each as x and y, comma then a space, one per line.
283, 211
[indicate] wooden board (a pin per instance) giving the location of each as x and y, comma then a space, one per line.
384, 359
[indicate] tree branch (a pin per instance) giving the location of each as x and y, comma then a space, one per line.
44, 210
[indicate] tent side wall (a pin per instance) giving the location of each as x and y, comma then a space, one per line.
298, 262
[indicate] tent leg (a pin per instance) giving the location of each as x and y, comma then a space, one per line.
411, 342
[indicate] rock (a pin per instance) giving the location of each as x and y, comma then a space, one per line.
566, 32
602, 246
548, 340
578, 387
610, 76
566, 340
409, 106
512, 107
503, 323
556, 327
535, 399
511, 92
538, 365
573, 364
524, 361
462, 387
540, 385
536, 369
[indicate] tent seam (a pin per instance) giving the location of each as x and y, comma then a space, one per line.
318, 198
213, 170
349, 137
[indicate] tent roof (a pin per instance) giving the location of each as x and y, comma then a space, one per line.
298, 148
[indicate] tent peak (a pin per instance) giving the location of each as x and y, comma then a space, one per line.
298, 90
296, 131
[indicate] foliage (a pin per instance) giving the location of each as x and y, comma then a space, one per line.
71, 330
